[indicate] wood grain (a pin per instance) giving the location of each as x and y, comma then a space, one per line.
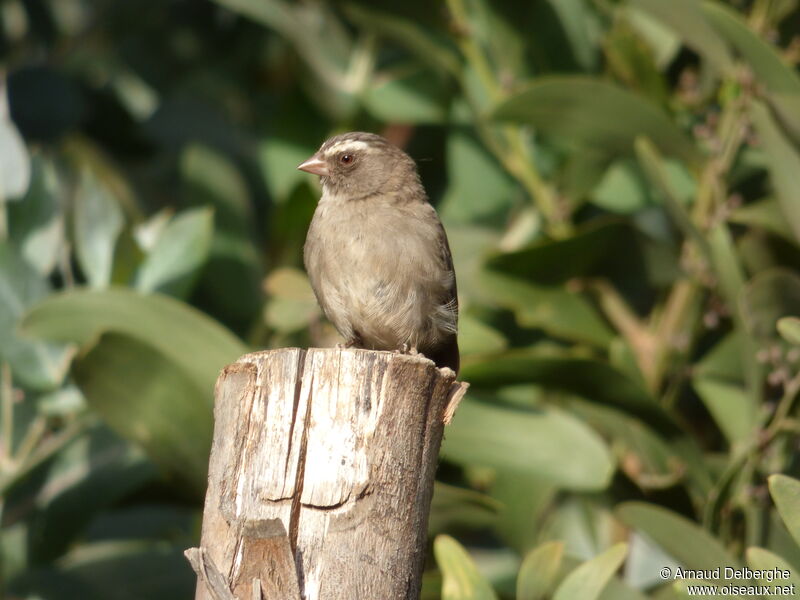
325, 457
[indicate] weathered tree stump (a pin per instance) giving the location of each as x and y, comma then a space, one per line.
321, 475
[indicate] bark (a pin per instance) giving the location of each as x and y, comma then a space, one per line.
321, 475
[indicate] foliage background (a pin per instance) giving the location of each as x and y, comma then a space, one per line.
620, 181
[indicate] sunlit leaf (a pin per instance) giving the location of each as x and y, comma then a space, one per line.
783, 165
785, 492
594, 114
182, 334
547, 443
182, 248
588, 580
789, 328
539, 570
151, 401
462, 581
98, 221
681, 538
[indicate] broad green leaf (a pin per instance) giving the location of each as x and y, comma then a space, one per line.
647, 458
594, 380
767, 65
730, 405
539, 570
182, 248
36, 223
789, 329
556, 261
148, 399
783, 164
408, 94
462, 581
686, 19
764, 560
98, 221
480, 191
38, 365
549, 443
213, 178
594, 115
182, 334
766, 214
92, 473
556, 310
785, 491
588, 580
476, 337
111, 570
15, 166
769, 296
724, 360
418, 39
686, 541
455, 507
622, 189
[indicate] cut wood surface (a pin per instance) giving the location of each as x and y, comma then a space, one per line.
321, 475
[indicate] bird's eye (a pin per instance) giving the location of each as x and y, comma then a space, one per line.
346, 159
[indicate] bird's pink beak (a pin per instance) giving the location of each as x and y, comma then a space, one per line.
315, 165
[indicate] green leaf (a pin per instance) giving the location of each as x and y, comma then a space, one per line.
211, 178
684, 540
455, 507
764, 560
558, 311
622, 189
183, 335
783, 164
765, 214
556, 261
15, 166
595, 115
36, 223
686, 19
479, 191
730, 405
112, 570
408, 94
646, 457
591, 379
182, 248
539, 570
90, 474
98, 222
151, 401
587, 581
769, 296
417, 39
36, 364
785, 491
476, 337
767, 65
789, 329
462, 581
548, 443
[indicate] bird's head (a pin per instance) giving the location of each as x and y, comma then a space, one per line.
357, 165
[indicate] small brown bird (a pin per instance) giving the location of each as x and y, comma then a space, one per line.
377, 254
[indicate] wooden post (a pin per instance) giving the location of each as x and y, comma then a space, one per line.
321, 475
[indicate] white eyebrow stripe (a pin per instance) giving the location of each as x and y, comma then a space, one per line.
347, 146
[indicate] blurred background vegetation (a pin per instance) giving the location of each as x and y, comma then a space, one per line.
620, 182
